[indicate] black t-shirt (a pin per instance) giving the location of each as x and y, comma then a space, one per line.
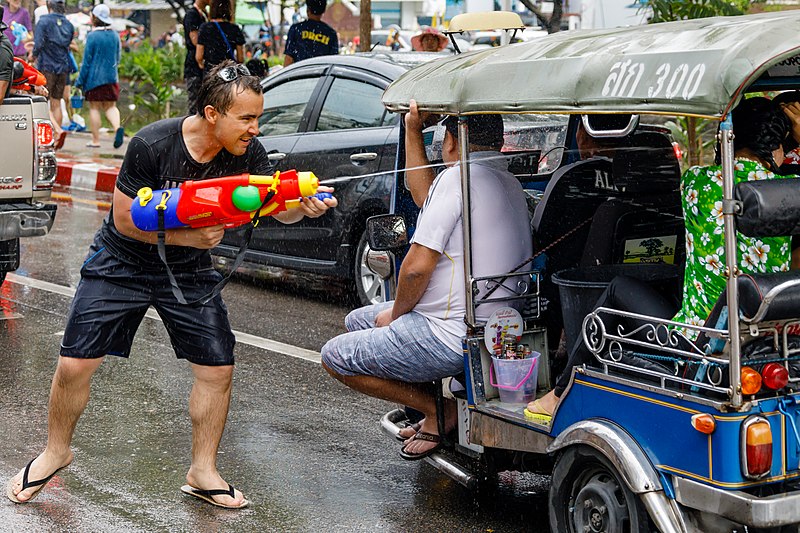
6, 62
215, 49
191, 22
311, 38
157, 157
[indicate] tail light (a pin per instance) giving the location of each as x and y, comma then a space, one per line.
678, 152
44, 133
756, 447
45, 168
775, 376
751, 381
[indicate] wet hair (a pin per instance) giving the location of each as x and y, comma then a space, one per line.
220, 94
760, 126
484, 130
221, 9
316, 7
57, 6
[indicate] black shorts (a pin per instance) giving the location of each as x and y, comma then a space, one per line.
56, 84
113, 297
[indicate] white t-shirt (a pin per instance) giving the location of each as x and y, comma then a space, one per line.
39, 12
501, 240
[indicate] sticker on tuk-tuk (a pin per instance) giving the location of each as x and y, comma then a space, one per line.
651, 250
504, 323
785, 69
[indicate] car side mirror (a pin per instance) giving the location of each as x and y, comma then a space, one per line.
386, 232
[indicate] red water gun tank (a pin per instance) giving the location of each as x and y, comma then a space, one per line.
25, 76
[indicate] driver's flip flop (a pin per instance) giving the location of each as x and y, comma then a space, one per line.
421, 435
39, 484
208, 496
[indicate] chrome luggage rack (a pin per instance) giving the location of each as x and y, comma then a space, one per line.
659, 340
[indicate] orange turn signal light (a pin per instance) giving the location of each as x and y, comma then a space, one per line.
751, 381
704, 423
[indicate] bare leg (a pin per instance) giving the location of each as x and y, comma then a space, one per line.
416, 395
95, 121
208, 408
68, 101
112, 114
56, 115
69, 394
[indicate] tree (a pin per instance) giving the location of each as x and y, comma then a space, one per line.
552, 24
653, 245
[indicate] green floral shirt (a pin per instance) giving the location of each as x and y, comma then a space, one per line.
704, 280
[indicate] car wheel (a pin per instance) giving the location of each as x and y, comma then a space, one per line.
369, 287
587, 494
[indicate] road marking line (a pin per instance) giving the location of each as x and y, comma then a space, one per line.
242, 337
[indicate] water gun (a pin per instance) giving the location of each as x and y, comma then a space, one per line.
25, 76
19, 31
232, 200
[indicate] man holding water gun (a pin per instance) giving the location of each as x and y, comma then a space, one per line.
123, 275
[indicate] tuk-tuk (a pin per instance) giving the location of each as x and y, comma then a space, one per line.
630, 447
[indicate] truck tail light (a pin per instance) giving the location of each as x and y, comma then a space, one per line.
45, 158
751, 381
756, 447
44, 133
678, 152
775, 376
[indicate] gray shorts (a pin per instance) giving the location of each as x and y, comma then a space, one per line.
406, 350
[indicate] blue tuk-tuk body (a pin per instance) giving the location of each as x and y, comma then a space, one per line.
629, 446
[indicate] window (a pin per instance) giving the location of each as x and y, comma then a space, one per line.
352, 104
284, 106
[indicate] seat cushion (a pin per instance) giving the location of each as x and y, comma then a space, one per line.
753, 289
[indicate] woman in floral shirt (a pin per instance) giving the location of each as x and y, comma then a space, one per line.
757, 146
760, 127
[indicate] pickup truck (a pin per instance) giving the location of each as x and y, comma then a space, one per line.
27, 173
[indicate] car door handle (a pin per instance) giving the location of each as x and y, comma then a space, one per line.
363, 157
276, 156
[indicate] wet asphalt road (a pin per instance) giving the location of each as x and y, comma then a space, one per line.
306, 451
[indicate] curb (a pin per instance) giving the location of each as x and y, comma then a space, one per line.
86, 175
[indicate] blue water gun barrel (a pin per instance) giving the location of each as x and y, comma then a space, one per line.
145, 214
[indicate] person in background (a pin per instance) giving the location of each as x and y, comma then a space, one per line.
18, 26
6, 61
312, 37
41, 10
52, 41
429, 40
219, 39
99, 76
192, 73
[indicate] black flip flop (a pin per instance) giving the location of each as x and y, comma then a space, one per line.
208, 496
415, 426
421, 435
40, 484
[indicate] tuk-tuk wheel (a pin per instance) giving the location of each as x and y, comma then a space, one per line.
588, 495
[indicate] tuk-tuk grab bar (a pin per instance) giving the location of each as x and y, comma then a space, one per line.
763, 309
466, 217
732, 259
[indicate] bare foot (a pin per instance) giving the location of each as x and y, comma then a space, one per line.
213, 481
40, 470
410, 430
545, 405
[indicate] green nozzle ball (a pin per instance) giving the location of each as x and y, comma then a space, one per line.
246, 198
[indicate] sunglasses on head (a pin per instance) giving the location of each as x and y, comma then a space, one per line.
233, 72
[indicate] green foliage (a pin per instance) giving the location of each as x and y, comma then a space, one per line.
705, 133
665, 10
152, 74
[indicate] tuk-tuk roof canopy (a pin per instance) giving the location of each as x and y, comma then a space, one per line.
691, 67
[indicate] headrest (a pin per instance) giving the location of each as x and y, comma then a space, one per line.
646, 164
770, 208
